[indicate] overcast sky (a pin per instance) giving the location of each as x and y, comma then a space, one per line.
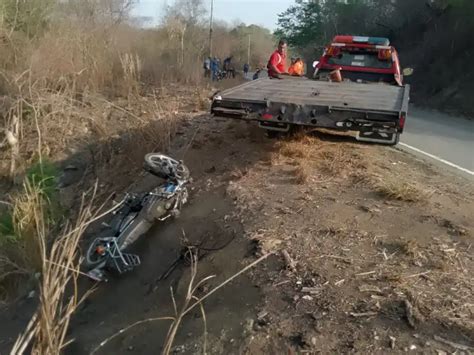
259, 12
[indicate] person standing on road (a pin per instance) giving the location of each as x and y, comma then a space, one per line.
246, 69
257, 73
277, 62
214, 68
229, 68
207, 68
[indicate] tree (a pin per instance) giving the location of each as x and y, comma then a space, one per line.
180, 19
302, 24
28, 16
433, 36
258, 40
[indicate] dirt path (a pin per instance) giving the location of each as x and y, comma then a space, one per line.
371, 274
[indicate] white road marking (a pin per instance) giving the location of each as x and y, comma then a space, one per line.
438, 159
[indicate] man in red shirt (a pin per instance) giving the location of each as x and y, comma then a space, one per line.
277, 63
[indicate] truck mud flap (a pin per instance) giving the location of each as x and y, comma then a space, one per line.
274, 126
378, 137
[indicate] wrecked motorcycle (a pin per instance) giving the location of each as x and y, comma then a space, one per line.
135, 215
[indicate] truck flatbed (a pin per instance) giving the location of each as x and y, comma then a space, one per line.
303, 91
376, 111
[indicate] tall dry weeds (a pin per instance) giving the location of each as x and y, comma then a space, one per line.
59, 296
131, 66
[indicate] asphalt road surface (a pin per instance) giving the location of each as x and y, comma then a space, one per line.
446, 139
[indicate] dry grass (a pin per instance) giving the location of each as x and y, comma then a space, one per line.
292, 150
47, 330
302, 172
397, 188
341, 160
300, 145
410, 248
202, 102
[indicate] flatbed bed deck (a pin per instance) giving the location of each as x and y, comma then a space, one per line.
303, 91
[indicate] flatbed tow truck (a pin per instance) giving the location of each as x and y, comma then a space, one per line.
369, 97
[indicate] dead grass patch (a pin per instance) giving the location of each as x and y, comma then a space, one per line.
302, 172
294, 150
201, 100
342, 160
396, 188
410, 248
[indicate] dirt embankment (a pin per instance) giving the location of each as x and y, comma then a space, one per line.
378, 249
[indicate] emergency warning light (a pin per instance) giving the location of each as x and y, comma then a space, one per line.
376, 41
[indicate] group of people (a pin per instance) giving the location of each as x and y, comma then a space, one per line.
213, 71
277, 63
277, 66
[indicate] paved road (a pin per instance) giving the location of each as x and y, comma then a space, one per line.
447, 137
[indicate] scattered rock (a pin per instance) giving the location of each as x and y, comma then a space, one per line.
453, 228
248, 327
369, 209
369, 288
392, 341
311, 290
307, 298
290, 263
263, 318
364, 314
211, 170
179, 349
70, 167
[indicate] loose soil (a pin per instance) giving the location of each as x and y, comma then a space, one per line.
380, 247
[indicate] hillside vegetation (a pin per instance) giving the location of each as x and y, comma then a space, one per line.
432, 36
77, 76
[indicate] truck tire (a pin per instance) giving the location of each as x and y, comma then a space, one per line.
273, 134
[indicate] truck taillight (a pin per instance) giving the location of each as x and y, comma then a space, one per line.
267, 116
401, 122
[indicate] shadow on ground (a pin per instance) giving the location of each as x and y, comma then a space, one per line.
216, 152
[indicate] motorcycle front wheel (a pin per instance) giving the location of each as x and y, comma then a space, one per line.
166, 167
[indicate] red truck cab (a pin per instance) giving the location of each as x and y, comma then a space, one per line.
361, 59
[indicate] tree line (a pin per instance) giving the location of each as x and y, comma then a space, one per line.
433, 36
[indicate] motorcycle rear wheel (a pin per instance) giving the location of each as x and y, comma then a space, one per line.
93, 259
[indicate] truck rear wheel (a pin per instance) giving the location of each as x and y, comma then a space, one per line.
273, 134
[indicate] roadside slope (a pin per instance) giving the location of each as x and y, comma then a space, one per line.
379, 245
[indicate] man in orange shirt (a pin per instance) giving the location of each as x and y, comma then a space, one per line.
277, 63
296, 68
